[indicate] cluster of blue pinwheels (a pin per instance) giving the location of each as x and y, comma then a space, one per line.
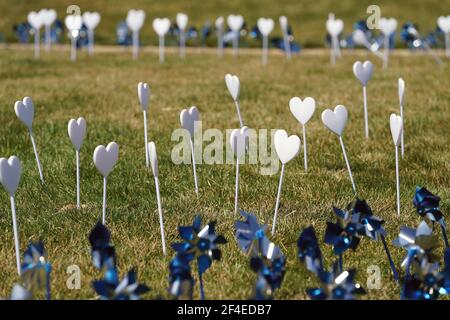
104, 258
266, 259
34, 273
424, 279
200, 244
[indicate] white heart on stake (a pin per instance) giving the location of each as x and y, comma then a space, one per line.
219, 23
395, 123
143, 95
265, 26
302, 110
233, 85
444, 23
161, 26
239, 140
135, 19
235, 22
10, 171
73, 22
334, 26
106, 158
335, 120
284, 24
153, 158
48, 16
77, 132
363, 71
188, 119
387, 26
286, 147
182, 20
35, 19
91, 19
401, 90
25, 111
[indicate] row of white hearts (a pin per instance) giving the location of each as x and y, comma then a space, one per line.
46, 17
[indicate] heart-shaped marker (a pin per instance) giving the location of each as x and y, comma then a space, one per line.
265, 26
363, 71
239, 141
219, 22
286, 147
387, 26
235, 22
143, 95
135, 19
182, 20
77, 132
395, 123
10, 172
444, 23
73, 22
302, 110
334, 26
35, 19
188, 119
233, 85
48, 16
91, 19
335, 120
401, 90
161, 26
25, 111
284, 24
153, 158
106, 158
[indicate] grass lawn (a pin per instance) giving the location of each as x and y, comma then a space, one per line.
103, 90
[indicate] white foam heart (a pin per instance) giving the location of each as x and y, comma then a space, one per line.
363, 71
35, 19
143, 95
77, 132
284, 24
359, 38
182, 20
25, 111
444, 24
106, 158
401, 90
387, 26
233, 85
219, 22
161, 26
48, 16
153, 158
235, 22
334, 26
239, 140
91, 19
395, 122
302, 110
265, 26
10, 171
286, 147
73, 22
135, 19
188, 119
335, 120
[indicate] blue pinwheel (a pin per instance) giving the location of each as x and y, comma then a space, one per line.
110, 288
427, 205
309, 250
180, 279
103, 252
201, 244
35, 270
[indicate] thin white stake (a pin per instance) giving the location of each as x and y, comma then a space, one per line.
220, 42
236, 191
36, 43
73, 49
265, 50
104, 201
287, 46
135, 44
403, 126
333, 50
161, 49
397, 181
16, 233
305, 153
236, 43
347, 163
37, 157
277, 204
386, 52
78, 178
47, 38
193, 167
182, 44
91, 42
366, 115
161, 222
238, 110
145, 138
447, 44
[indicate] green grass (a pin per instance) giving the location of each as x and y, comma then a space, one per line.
307, 17
103, 90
